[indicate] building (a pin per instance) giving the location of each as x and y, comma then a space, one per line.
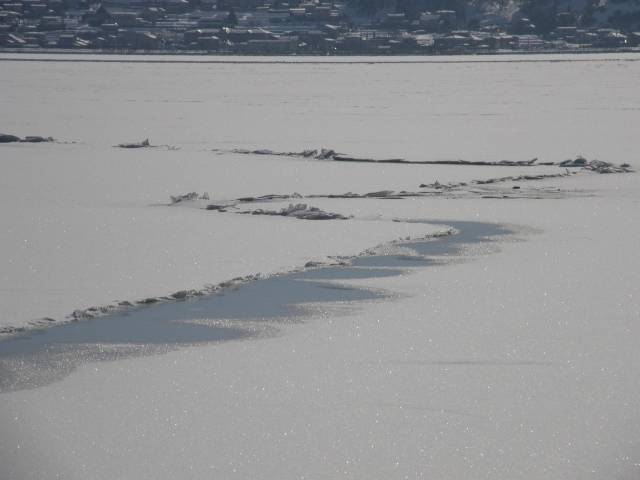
51, 24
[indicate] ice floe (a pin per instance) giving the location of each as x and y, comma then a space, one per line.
4, 138
36, 139
318, 153
189, 196
300, 211
329, 154
596, 165
143, 144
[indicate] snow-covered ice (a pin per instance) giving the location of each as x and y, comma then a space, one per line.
520, 363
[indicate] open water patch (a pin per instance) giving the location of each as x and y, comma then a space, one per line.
228, 314
274, 297
432, 252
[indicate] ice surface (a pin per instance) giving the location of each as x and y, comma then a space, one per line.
232, 310
518, 364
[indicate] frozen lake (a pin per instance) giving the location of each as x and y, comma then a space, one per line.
474, 108
513, 360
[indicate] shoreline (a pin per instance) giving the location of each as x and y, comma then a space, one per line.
334, 58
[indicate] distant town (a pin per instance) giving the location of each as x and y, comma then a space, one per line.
259, 27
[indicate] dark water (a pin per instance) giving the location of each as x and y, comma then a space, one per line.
269, 298
470, 233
